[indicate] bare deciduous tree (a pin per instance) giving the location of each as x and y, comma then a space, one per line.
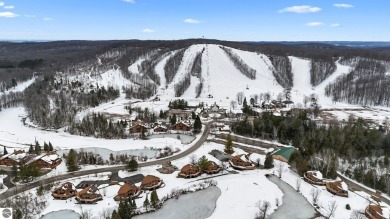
332, 206
193, 159
263, 209
298, 184
357, 215
315, 194
280, 169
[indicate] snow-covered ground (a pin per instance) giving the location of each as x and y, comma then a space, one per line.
3, 188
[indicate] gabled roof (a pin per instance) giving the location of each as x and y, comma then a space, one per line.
285, 152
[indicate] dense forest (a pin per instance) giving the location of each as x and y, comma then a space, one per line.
323, 146
172, 65
320, 69
282, 70
366, 84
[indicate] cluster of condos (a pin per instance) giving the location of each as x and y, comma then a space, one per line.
49, 159
91, 194
338, 187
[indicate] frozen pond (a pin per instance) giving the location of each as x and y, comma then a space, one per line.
185, 139
63, 214
197, 205
105, 153
294, 205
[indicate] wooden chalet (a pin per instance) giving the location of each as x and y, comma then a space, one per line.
127, 191
46, 161
89, 195
212, 168
377, 212
138, 128
189, 171
150, 182
181, 126
314, 177
337, 187
241, 162
160, 128
15, 158
65, 191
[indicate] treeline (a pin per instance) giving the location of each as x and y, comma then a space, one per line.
172, 65
239, 63
12, 99
282, 70
196, 69
99, 126
367, 84
320, 69
182, 85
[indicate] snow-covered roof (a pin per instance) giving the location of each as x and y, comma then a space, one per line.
385, 212
317, 174
45, 157
15, 157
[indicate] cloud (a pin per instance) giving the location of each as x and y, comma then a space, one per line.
314, 24
129, 1
342, 5
147, 30
1, 4
47, 19
300, 9
9, 7
335, 25
8, 14
29, 15
191, 21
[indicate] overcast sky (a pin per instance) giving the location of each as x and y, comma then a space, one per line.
238, 20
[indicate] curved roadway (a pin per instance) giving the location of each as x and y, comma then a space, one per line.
22, 188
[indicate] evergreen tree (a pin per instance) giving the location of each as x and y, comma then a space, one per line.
14, 169
115, 215
111, 158
14, 83
5, 151
31, 149
124, 209
229, 144
154, 199
133, 204
193, 116
173, 119
37, 149
45, 146
146, 202
269, 161
203, 163
71, 161
197, 125
51, 147
132, 165
161, 114
29, 172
